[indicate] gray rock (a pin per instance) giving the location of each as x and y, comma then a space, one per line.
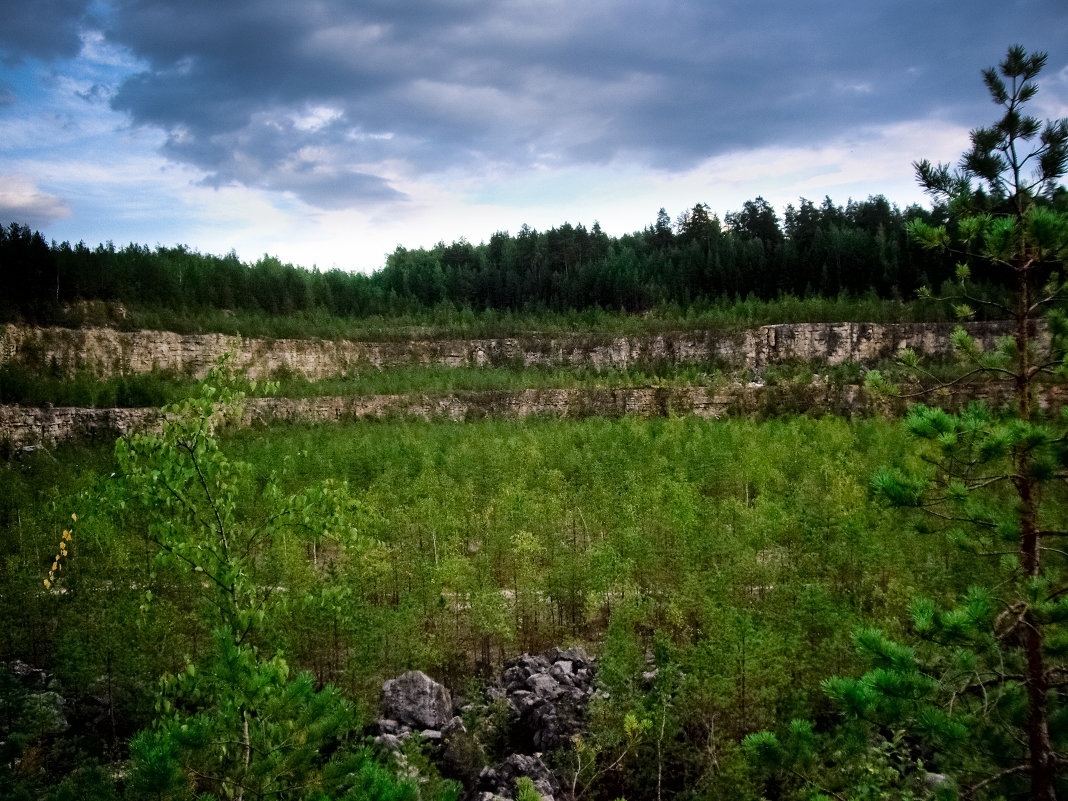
461, 755
522, 700
513, 676
936, 780
454, 726
30, 676
547, 696
577, 655
543, 685
417, 700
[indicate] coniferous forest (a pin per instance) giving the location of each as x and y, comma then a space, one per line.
790, 607
696, 261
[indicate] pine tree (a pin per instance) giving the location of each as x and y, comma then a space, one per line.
997, 477
983, 685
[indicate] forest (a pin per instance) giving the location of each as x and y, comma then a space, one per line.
794, 607
814, 251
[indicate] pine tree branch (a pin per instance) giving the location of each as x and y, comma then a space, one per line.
1024, 768
944, 385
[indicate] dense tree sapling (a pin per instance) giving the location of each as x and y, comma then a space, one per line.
235, 724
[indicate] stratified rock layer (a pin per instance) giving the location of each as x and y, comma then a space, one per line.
105, 351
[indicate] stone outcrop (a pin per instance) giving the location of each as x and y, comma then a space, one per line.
105, 351
545, 697
416, 701
31, 426
25, 426
500, 782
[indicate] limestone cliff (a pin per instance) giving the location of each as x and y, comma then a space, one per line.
105, 351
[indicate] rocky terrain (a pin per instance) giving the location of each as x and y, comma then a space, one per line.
535, 707
105, 351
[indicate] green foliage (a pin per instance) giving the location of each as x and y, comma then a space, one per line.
805, 765
857, 259
979, 689
235, 723
240, 725
525, 790
736, 555
30, 384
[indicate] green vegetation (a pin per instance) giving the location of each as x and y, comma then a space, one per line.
740, 553
23, 385
819, 264
983, 686
449, 321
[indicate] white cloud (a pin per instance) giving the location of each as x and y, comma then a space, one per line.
22, 201
316, 117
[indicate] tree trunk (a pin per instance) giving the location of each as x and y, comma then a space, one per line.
1041, 756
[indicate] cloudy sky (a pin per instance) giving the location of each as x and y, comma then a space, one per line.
327, 132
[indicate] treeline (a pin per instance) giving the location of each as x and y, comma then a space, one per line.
814, 250
824, 250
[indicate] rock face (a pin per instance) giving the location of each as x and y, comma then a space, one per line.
417, 701
544, 698
26, 426
499, 782
105, 351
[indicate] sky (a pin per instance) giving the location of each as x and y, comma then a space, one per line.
328, 132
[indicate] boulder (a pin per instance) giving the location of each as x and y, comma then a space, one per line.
545, 697
416, 700
577, 656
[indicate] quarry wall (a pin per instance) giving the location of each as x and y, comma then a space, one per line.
106, 352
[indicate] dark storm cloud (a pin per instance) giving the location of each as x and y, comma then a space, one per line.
46, 29
313, 97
